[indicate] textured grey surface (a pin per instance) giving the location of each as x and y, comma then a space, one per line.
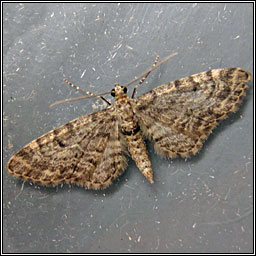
200, 205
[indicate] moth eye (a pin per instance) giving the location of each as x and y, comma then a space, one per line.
124, 89
113, 93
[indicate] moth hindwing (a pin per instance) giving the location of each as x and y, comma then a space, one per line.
91, 150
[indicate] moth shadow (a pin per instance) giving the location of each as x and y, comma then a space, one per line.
49, 190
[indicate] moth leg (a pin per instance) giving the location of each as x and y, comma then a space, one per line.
144, 78
84, 91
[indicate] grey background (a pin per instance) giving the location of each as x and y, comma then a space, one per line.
202, 205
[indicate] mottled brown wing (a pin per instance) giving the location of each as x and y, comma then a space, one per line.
180, 115
86, 151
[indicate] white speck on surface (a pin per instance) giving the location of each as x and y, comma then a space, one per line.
129, 47
114, 55
83, 73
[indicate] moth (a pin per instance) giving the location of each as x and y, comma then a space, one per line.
91, 150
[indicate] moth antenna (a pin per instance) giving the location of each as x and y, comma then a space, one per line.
151, 69
78, 98
84, 91
144, 78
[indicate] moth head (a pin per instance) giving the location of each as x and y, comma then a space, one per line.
118, 90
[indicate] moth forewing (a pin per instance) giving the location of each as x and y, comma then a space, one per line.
177, 116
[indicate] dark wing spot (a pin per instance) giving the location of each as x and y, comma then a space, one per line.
177, 83
209, 73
